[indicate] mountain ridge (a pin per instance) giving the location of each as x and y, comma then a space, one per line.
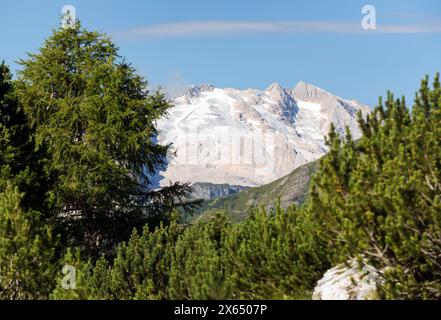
250, 137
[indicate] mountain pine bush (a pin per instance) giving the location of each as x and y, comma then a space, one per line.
379, 197
27, 257
140, 269
274, 255
200, 269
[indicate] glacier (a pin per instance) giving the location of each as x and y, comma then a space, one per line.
250, 137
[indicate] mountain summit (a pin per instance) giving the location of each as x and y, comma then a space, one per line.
250, 137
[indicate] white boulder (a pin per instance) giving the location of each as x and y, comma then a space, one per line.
348, 283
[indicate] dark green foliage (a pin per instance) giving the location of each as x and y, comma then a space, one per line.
19, 163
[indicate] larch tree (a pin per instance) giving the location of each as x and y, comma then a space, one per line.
96, 118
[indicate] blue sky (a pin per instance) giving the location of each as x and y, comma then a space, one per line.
250, 44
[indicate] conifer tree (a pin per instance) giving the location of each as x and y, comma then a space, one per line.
95, 116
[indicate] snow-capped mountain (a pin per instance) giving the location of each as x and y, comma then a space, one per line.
250, 137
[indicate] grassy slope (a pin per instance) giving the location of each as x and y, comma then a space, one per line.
292, 188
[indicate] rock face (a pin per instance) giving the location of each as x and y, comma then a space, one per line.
347, 283
206, 190
250, 137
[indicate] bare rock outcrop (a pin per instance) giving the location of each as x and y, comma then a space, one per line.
348, 283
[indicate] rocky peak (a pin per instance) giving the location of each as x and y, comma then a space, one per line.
274, 88
307, 92
286, 106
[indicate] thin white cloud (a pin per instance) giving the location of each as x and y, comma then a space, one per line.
410, 28
233, 28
